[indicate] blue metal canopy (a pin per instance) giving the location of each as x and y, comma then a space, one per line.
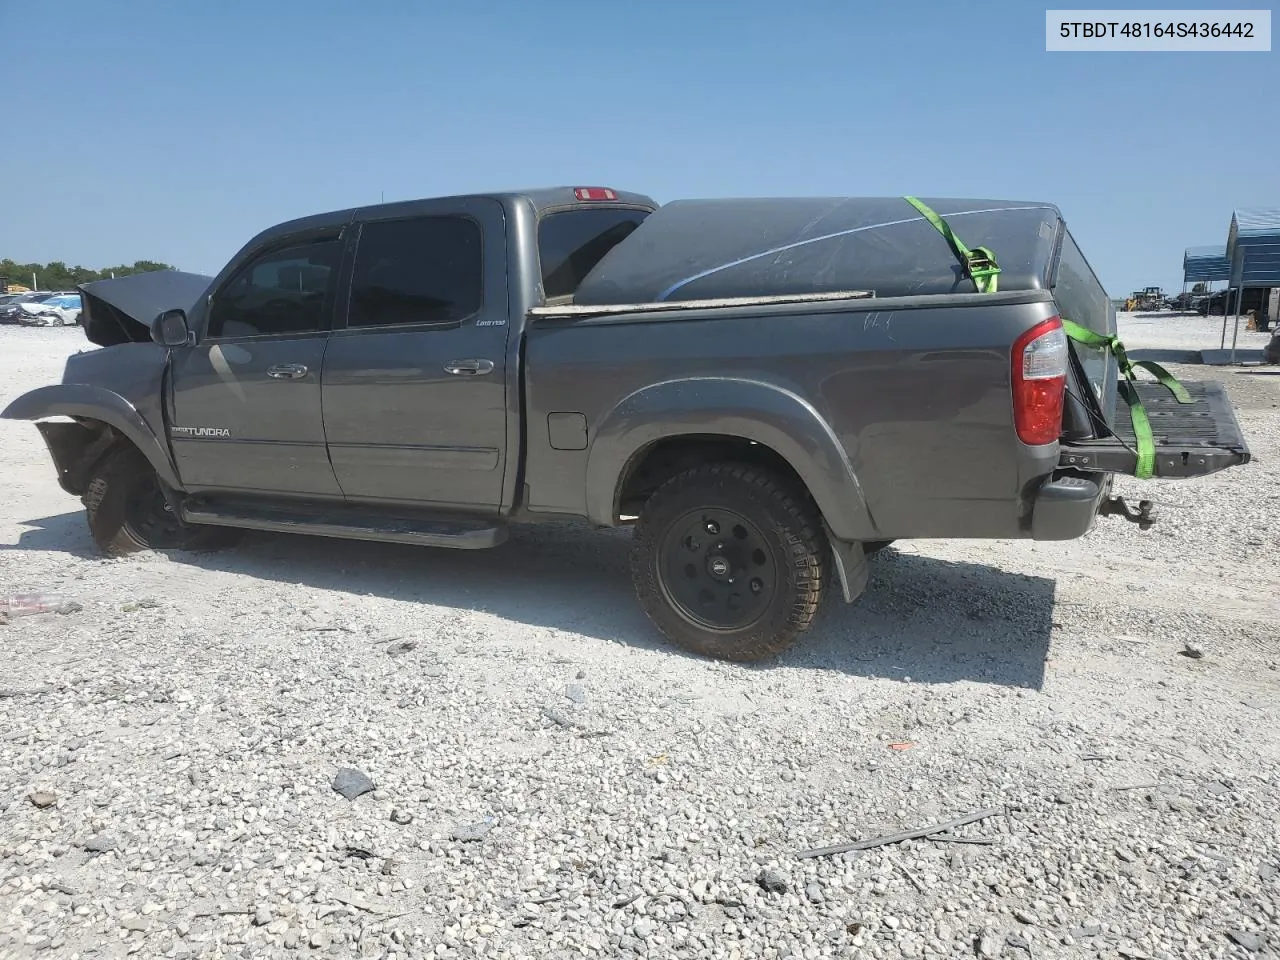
1205, 264
1256, 265
1253, 226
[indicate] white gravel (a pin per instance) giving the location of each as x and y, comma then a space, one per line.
552, 782
1182, 331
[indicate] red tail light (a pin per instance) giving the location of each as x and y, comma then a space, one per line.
594, 193
1039, 382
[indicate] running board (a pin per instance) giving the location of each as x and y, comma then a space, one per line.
350, 525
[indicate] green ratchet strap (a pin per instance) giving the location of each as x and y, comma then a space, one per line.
979, 263
1128, 386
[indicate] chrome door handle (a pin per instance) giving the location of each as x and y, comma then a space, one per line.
469, 368
287, 371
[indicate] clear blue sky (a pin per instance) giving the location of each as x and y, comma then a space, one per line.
175, 131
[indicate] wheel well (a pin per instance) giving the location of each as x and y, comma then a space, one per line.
654, 465
77, 447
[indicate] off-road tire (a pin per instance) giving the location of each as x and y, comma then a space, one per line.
118, 484
789, 528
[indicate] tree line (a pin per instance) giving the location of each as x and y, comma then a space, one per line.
59, 276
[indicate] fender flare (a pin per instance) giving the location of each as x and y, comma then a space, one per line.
83, 401
767, 413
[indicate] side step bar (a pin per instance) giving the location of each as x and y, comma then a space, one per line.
349, 525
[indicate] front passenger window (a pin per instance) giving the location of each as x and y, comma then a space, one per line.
286, 290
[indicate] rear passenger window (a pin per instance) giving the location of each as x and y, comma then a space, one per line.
572, 242
425, 270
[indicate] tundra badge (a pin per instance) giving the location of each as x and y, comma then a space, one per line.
221, 433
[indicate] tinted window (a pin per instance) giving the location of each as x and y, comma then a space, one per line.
425, 270
286, 290
571, 243
1080, 297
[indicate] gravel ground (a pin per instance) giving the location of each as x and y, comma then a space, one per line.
549, 781
1181, 332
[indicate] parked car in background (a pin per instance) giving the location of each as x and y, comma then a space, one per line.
11, 312
62, 310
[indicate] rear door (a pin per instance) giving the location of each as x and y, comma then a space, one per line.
414, 385
245, 398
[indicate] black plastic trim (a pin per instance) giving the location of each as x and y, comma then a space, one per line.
1065, 508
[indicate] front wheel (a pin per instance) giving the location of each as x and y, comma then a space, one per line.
128, 513
728, 562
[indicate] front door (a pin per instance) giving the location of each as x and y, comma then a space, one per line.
415, 401
246, 396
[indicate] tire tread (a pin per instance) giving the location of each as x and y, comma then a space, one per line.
796, 516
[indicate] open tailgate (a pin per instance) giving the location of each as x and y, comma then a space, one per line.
1192, 439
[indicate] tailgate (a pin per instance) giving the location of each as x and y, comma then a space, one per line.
1192, 439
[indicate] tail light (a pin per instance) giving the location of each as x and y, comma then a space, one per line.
1039, 382
594, 193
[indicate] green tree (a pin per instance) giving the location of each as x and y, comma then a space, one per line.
58, 276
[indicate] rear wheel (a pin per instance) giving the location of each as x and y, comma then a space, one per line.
128, 513
728, 562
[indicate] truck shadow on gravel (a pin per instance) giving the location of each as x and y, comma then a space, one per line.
935, 621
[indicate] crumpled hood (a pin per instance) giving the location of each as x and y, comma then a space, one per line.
121, 310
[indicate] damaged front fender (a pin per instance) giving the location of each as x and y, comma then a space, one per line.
100, 418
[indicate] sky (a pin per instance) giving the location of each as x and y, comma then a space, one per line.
176, 131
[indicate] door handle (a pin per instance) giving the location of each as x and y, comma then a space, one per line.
469, 368
287, 371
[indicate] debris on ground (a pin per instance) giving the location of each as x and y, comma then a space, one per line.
1253, 942
772, 881
401, 647
352, 783
922, 832
34, 604
472, 832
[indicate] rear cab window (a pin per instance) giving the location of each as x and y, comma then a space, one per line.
1081, 298
571, 242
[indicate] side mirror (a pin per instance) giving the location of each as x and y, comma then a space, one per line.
170, 329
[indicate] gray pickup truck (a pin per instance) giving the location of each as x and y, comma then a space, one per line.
770, 390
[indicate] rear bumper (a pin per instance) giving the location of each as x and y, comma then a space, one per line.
1066, 505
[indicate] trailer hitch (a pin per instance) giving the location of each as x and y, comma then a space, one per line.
1116, 506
